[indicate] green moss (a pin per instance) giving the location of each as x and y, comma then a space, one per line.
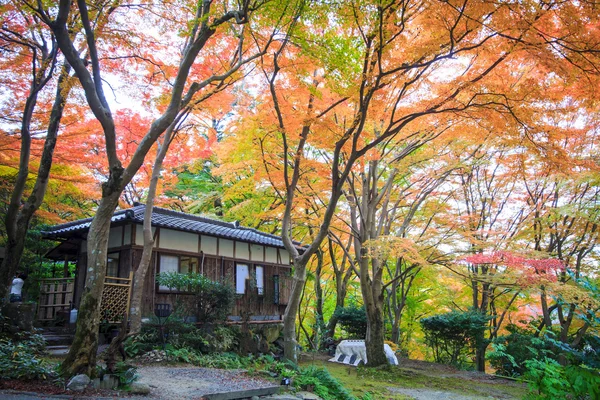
375, 381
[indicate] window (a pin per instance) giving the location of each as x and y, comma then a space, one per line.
180, 264
241, 275
260, 280
168, 264
112, 265
188, 264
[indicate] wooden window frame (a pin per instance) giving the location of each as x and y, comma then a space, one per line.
159, 256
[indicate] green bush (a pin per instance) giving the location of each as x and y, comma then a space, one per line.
353, 320
321, 383
510, 352
212, 300
180, 334
20, 360
21, 352
547, 379
453, 336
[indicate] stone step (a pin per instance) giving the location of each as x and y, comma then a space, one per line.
58, 339
60, 350
243, 394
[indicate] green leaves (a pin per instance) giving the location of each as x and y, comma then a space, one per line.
454, 334
549, 380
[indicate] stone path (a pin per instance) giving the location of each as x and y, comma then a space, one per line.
192, 383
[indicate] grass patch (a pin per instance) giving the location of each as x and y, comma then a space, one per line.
375, 381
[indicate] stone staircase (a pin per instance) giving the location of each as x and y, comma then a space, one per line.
58, 340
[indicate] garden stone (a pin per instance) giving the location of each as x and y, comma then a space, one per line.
307, 396
271, 333
139, 388
78, 383
20, 315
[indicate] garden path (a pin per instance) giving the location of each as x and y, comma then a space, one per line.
181, 383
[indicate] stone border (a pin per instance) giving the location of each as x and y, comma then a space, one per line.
243, 394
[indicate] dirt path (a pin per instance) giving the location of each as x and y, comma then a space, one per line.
180, 383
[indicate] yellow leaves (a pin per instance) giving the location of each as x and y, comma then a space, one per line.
386, 247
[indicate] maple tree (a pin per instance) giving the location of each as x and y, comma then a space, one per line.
397, 78
188, 81
42, 81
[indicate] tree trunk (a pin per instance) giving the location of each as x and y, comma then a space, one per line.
318, 333
339, 303
375, 333
12, 258
19, 216
480, 356
142, 269
372, 292
81, 358
289, 318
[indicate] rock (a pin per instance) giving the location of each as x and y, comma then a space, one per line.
139, 388
254, 398
285, 396
271, 333
20, 315
307, 396
78, 383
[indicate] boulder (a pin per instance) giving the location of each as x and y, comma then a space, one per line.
20, 315
78, 383
271, 332
139, 388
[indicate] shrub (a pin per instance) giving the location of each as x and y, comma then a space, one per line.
20, 353
510, 352
353, 320
212, 300
454, 335
20, 360
547, 379
322, 384
126, 373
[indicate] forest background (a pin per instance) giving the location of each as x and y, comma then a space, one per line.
433, 156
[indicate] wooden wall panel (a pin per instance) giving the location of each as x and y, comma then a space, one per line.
124, 263
81, 273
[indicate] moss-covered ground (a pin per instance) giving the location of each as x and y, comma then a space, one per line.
417, 375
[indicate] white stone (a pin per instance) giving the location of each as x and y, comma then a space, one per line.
78, 383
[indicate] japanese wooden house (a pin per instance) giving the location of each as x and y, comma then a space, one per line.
183, 243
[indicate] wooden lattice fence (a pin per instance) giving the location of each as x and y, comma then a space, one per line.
56, 294
116, 296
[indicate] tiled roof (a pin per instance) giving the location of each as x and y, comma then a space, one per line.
164, 218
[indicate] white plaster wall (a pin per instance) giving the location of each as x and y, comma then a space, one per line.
285, 257
226, 248
176, 240
115, 238
257, 252
242, 250
139, 234
208, 245
271, 255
